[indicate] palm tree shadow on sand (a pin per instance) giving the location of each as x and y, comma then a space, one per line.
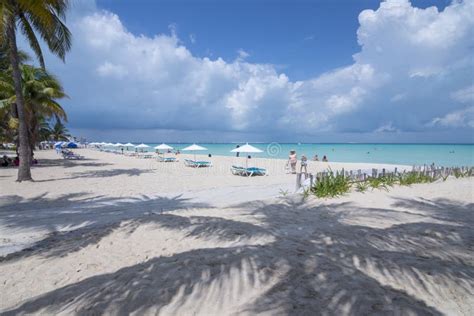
77, 220
319, 262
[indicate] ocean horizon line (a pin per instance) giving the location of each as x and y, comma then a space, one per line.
291, 143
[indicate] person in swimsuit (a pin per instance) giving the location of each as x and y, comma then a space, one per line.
292, 160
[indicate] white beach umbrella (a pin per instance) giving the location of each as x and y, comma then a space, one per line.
194, 147
247, 149
129, 145
164, 147
142, 146
119, 145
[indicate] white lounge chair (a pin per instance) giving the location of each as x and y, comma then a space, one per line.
197, 164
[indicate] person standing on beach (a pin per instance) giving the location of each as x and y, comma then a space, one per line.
237, 154
304, 164
292, 160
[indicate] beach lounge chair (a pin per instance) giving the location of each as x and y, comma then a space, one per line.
70, 155
248, 172
145, 155
237, 171
197, 164
167, 159
254, 171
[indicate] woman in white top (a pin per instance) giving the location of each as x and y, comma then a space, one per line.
292, 160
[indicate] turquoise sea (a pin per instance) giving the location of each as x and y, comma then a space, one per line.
409, 154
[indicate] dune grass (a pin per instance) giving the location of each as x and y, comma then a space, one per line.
337, 184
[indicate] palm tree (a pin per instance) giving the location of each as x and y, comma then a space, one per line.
59, 131
44, 17
44, 130
40, 90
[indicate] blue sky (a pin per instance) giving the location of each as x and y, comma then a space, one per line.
322, 71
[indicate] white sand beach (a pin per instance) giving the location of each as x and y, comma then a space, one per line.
119, 235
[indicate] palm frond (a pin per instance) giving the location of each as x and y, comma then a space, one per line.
6, 13
51, 29
27, 30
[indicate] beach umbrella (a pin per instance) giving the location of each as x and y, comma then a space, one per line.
119, 145
58, 144
194, 148
142, 146
129, 145
247, 149
164, 147
71, 145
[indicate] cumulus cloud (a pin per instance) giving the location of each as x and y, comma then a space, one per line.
461, 118
387, 128
242, 54
108, 69
465, 95
414, 66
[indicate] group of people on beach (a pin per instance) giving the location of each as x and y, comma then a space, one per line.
6, 161
293, 161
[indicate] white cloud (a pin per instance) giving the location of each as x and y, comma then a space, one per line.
387, 128
108, 69
398, 97
460, 118
465, 95
192, 38
411, 60
242, 54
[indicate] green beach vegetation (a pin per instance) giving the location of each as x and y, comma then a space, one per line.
41, 90
31, 104
330, 184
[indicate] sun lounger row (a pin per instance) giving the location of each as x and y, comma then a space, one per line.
248, 172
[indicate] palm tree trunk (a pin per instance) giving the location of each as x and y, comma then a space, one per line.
24, 172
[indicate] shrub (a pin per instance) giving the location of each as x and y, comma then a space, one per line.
458, 173
331, 186
377, 183
414, 177
469, 172
361, 186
